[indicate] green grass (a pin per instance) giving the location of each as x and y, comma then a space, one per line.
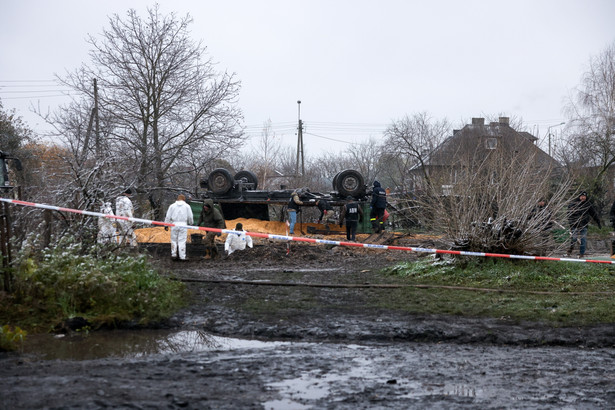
559, 293
106, 288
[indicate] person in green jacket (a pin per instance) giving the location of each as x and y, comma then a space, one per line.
211, 217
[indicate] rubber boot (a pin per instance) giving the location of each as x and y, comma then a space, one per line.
374, 226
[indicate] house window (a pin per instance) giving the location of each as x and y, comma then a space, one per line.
491, 143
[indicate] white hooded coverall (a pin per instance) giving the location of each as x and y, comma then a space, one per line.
123, 207
236, 241
106, 227
180, 214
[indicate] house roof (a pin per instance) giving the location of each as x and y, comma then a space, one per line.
477, 137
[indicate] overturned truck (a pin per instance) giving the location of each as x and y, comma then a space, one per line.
238, 195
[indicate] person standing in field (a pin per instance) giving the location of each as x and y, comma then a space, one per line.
352, 213
179, 214
123, 207
211, 217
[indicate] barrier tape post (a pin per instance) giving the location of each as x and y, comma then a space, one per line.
309, 240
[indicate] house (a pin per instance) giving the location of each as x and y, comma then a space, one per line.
480, 147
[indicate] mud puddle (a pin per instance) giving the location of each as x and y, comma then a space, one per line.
188, 369
126, 344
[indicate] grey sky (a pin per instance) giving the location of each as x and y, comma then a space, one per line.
355, 65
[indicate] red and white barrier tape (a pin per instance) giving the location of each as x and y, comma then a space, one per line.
309, 240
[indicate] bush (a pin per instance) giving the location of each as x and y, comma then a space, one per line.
11, 339
105, 288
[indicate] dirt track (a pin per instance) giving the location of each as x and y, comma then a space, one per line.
336, 354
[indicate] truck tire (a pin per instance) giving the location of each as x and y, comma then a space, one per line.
350, 183
335, 181
220, 181
247, 177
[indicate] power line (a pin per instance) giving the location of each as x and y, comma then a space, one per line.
36, 91
27, 81
336, 140
37, 96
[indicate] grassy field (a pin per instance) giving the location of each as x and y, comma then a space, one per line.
557, 293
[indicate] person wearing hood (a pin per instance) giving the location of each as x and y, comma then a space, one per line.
379, 204
179, 214
580, 211
123, 207
352, 213
237, 241
293, 208
106, 226
211, 217
612, 215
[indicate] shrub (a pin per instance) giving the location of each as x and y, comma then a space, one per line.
11, 339
102, 286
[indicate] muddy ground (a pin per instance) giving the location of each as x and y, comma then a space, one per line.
332, 352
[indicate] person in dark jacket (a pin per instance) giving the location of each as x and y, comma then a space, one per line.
323, 206
293, 209
612, 215
379, 204
580, 212
352, 213
211, 217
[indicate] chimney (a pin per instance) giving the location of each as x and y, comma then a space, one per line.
504, 120
478, 121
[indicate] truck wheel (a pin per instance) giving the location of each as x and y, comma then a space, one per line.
335, 181
247, 177
350, 183
220, 181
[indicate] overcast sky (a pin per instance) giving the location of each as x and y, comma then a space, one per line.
355, 65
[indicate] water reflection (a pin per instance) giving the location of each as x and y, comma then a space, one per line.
131, 344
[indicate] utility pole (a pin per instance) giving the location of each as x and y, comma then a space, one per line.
300, 144
93, 117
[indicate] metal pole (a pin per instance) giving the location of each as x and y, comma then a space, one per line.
549, 134
300, 143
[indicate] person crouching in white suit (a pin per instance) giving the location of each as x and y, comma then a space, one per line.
180, 214
237, 241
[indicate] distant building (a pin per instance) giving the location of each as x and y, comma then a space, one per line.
468, 149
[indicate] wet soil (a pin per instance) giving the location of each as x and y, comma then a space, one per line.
331, 351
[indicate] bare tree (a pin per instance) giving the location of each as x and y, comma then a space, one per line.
492, 205
166, 103
367, 159
412, 139
265, 157
591, 124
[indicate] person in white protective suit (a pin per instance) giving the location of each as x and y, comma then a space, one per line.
106, 226
123, 207
180, 214
237, 241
